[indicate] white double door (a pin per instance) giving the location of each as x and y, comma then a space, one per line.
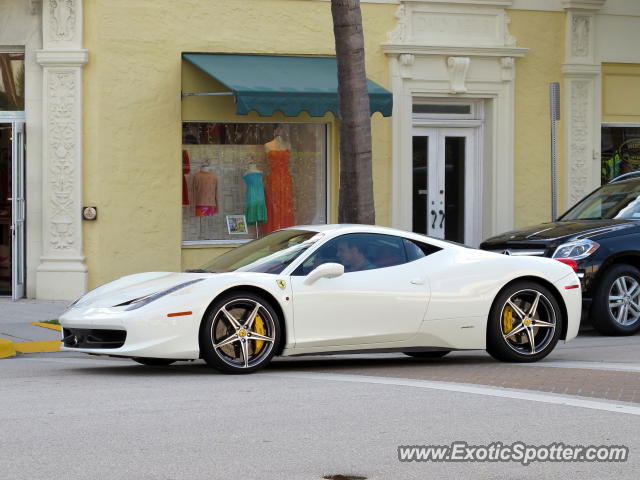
446, 184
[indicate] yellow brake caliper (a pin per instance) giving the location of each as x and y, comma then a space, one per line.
507, 319
258, 327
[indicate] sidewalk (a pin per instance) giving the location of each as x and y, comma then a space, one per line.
16, 331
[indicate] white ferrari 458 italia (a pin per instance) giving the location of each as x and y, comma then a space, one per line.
332, 289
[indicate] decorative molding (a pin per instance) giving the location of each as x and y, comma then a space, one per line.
509, 40
485, 3
592, 5
406, 61
61, 151
508, 68
582, 70
581, 26
62, 58
62, 20
422, 49
580, 150
399, 34
458, 68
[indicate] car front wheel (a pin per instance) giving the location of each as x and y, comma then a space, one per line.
616, 301
240, 333
524, 324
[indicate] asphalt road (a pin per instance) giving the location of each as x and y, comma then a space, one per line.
67, 416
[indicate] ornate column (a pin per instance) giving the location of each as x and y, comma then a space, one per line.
581, 98
62, 274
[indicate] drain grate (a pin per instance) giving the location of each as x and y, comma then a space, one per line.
344, 477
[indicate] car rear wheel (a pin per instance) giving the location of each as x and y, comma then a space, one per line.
524, 324
154, 362
434, 354
240, 333
616, 301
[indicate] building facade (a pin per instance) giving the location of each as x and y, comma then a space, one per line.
190, 129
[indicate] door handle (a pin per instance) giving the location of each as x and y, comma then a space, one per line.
435, 217
441, 218
417, 281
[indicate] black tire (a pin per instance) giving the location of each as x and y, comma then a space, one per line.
509, 334
154, 362
602, 316
233, 348
434, 354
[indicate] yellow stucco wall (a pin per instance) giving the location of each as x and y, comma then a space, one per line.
543, 34
132, 112
620, 92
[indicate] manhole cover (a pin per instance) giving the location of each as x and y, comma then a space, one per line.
344, 477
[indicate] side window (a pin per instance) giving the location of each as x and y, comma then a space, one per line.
357, 252
416, 250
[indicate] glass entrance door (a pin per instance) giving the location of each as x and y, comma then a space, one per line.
6, 242
444, 183
12, 210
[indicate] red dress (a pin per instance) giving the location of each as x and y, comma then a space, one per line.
279, 191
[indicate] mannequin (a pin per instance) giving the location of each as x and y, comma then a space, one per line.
278, 142
255, 209
205, 191
252, 168
279, 186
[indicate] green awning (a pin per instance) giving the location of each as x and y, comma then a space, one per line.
267, 83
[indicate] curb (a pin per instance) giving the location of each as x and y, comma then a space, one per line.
7, 348
38, 347
50, 326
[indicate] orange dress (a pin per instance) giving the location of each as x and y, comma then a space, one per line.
279, 191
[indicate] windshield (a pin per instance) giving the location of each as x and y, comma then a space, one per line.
611, 201
269, 254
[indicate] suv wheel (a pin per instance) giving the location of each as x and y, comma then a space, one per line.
616, 301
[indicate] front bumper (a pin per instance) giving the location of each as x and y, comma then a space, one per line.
146, 332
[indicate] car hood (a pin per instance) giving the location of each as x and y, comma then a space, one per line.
546, 233
135, 286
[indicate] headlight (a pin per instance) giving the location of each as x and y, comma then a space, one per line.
576, 250
141, 302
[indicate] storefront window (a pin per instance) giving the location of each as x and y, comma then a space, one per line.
620, 151
11, 81
244, 180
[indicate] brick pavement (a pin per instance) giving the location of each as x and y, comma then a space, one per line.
602, 384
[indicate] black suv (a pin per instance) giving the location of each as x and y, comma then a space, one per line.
600, 238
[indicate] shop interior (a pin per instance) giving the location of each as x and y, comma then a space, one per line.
5, 209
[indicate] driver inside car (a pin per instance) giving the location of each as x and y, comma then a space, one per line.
351, 256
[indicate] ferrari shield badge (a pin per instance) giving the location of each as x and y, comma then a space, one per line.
282, 284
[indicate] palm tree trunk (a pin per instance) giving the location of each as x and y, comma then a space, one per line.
356, 182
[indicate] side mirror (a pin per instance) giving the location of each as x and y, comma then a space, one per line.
326, 270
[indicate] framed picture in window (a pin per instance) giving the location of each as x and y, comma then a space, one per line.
236, 224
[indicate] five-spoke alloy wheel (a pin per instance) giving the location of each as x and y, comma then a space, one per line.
240, 333
524, 324
616, 301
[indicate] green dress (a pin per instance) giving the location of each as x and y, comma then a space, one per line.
255, 208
